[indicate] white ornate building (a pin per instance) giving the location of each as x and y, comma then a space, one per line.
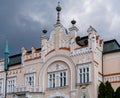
66, 66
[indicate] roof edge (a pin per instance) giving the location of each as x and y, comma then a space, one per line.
112, 41
113, 51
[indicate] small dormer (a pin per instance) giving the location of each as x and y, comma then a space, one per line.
73, 30
91, 31
24, 50
33, 49
44, 38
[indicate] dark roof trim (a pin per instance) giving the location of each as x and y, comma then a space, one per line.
14, 64
113, 51
84, 37
14, 60
113, 40
38, 49
15, 55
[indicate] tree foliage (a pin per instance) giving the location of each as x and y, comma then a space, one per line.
106, 90
117, 93
109, 92
101, 91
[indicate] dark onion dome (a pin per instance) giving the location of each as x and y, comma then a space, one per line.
73, 22
81, 41
44, 31
58, 8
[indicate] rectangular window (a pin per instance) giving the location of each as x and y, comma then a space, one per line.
80, 75
0, 87
84, 74
11, 84
30, 80
62, 79
87, 74
52, 80
57, 79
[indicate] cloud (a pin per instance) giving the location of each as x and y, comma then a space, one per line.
23, 21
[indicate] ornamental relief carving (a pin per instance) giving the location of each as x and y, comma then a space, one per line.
14, 72
29, 70
84, 60
57, 67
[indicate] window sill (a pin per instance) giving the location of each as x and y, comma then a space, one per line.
80, 84
58, 87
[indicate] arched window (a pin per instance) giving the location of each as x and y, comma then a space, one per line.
57, 75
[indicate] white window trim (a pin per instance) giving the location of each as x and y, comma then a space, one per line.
81, 67
29, 75
1, 80
11, 89
51, 86
62, 78
57, 78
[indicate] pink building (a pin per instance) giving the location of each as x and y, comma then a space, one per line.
66, 65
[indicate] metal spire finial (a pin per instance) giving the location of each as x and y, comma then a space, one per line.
6, 56
58, 8
73, 22
6, 47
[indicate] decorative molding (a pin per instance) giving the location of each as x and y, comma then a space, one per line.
84, 91
56, 68
64, 48
30, 59
112, 74
115, 81
50, 52
84, 60
65, 59
13, 73
96, 63
112, 78
58, 94
81, 51
80, 47
30, 70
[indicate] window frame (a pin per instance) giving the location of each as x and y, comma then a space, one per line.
57, 78
1, 86
28, 77
84, 74
11, 83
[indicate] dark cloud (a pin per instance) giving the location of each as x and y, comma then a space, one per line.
21, 21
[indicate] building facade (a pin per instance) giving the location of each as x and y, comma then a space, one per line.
66, 66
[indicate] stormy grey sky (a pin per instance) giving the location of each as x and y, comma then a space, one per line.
22, 21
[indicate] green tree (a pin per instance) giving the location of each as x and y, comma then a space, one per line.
101, 90
109, 92
117, 93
